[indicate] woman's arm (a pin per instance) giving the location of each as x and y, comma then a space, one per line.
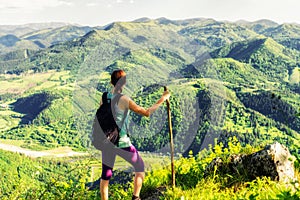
147, 112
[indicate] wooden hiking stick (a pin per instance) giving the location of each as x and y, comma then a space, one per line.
171, 140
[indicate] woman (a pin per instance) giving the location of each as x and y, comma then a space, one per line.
124, 148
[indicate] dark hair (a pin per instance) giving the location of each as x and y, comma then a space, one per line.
118, 79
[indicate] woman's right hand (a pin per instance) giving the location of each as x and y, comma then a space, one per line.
166, 95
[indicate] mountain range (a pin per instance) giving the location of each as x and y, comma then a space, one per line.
227, 79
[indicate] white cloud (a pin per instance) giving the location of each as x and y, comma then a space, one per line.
91, 4
30, 5
67, 3
105, 11
127, 1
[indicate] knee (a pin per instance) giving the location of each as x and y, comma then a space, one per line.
139, 166
140, 175
106, 173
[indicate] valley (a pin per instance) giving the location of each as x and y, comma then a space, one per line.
233, 84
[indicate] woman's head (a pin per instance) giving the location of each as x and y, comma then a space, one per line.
118, 79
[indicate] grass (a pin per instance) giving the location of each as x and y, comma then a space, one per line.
32, 81
157, 180
215, 186
17, 143
9, 119
3, 124
295, 76
32, 146
26, 83
210, 189
152, 161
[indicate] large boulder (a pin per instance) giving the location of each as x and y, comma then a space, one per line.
274, 161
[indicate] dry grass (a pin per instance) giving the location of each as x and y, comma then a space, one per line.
31, 81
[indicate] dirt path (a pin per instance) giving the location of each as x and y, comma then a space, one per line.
58, 152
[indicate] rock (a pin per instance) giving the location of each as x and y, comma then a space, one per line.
274, 161
215, 163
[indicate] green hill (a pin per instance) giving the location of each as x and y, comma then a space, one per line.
154, 53
9, 43
285, 34
283, 31
234, 86
53, 36
9, 40
264, 54
217, 34
32, 105
258, 26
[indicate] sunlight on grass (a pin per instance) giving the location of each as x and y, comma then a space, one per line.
32, 81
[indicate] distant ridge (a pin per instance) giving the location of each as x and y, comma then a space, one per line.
163, 20
37, 25
265, 22
23, 29
143, 19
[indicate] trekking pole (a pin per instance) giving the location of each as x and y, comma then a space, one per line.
171, 141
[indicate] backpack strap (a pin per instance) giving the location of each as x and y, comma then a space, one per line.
104, 98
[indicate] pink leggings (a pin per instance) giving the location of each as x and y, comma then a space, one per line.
130, 154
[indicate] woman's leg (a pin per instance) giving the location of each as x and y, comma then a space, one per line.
104, 189
108, 161
131, 155
138, 182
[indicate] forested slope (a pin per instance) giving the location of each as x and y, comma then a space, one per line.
226, 79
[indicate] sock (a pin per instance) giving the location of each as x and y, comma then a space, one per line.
135, 197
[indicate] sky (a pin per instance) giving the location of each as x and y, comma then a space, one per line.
102, 12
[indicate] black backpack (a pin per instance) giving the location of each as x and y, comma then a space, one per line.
105, 131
